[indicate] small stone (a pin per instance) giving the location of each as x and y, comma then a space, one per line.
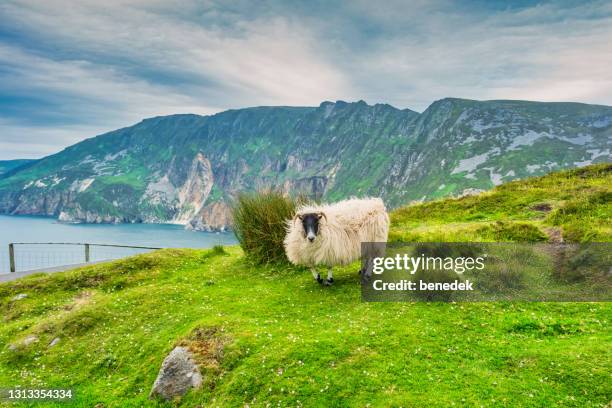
20, 296
470, 192
177, 375
29, 340
54, 342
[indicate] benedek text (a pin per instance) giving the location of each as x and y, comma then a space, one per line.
421, 285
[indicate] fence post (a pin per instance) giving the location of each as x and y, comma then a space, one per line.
12, 257
86, 253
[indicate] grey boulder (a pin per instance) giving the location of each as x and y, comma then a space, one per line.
178, 373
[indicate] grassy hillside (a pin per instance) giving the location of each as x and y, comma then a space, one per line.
573, 205
270, 336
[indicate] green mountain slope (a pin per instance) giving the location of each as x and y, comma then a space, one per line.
186, 168
12, 165
270, 336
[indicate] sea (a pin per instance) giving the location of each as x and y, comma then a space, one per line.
43, 242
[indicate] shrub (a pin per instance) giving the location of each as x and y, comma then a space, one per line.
260, 224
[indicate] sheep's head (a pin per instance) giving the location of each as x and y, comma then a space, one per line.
310, 223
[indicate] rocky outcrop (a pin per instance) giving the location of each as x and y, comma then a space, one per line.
183, 203
78, 215
313, 187
213, 217
195, 190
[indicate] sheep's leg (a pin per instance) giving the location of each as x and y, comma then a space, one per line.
366, 272
330, 277
364, 266
316, 275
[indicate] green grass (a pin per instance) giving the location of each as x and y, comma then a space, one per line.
575, 205
289, 341
267, 335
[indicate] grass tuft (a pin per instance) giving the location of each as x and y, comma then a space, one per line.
218, 250
260, 224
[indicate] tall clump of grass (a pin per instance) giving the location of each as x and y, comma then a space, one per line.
260, 224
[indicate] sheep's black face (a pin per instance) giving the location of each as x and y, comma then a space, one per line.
310, 222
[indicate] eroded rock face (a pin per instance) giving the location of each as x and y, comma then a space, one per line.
212, 217
178, 373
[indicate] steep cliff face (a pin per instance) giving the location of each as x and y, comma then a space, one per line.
187, 169
184, 200
477, 145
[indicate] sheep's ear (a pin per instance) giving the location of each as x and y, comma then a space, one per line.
321, 215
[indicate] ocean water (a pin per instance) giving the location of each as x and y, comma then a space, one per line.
48, 230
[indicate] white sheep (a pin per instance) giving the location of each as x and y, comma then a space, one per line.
331, 234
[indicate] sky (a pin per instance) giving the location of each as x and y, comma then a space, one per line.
70, 70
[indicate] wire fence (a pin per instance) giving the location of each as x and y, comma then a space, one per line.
26, 256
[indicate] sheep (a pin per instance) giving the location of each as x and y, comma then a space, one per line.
331, 234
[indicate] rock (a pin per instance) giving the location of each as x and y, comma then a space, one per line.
470, 192
29, 340
212, 217
177, 375
54, 342
23, 343
20, 296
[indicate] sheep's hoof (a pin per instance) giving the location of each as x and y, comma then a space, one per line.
319, 279
329, 281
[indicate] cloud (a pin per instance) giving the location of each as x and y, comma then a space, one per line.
267, 60
548, 52
103, 68
74, 69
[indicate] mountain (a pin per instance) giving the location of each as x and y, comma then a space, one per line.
12, 165
186, 169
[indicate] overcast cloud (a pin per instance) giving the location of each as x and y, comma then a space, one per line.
73, 69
